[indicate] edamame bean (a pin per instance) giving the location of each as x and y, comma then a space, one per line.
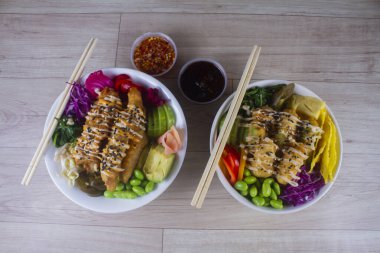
276, 203
149, 187
276, 187
250, 180
129, 195
139, 174
135, 182
253, 191
247, 172
258, 185
269, 181
258, 201
244, 193
241, 186
120, 186
118, 194
273, 195
108, 194
265, 189
267, 201
138, 190
128, 186
144, 183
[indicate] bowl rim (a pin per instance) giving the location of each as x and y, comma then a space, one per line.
172, 175
142, 37
216, 64
326, 188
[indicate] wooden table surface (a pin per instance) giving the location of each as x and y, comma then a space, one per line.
331, 47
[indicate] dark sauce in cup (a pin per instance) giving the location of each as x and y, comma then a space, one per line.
202, 81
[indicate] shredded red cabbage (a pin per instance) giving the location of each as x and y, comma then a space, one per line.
79, 103
152, 97
308, 188
96, 82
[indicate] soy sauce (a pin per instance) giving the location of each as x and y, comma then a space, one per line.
202, 81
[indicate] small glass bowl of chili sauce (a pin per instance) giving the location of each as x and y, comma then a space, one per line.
153, 53
202, 80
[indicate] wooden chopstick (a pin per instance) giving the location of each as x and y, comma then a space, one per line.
222, 132
59, 110
217, 151
227, 132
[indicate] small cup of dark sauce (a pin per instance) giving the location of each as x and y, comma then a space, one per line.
202, 80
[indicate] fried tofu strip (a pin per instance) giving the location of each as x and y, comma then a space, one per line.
96, 130
139, 139
261, 157
126, 142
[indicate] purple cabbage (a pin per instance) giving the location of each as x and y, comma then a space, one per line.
152, 97
79, 103
308, 188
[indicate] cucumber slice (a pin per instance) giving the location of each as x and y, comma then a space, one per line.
170, 116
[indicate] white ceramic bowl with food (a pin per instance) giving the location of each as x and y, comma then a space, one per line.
102, 204
301, 90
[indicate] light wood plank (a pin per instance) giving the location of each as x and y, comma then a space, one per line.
352, 203
45, 46
295, 48
266, 241
340, 8
72, 238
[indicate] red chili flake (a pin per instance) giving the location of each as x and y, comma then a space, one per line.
154, 55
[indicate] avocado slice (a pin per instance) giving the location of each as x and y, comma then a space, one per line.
170, 116
233, 138
150, 130
158, 164
162, 121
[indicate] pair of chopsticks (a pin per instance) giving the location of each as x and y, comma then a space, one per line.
59, 110
221, 141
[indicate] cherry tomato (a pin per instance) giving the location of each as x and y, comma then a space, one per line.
123, 83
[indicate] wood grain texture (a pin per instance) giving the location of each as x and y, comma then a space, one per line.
71, 238
266, 241
35, 46
296, 48
355, 189
331, 47
336, 8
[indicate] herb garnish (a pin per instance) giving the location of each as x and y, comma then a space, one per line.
66, 132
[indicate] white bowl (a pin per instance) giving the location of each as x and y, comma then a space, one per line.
102, 204
301, 90
154, 34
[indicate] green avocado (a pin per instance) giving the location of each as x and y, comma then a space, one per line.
158, 164
170, 116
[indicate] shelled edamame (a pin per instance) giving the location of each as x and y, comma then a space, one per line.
137, 186
262, 192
